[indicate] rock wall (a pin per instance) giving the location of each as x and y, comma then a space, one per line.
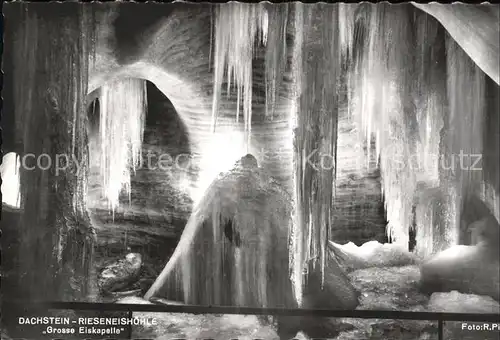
359, 206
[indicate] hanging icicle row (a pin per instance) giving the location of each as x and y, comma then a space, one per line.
122, 114
238, 27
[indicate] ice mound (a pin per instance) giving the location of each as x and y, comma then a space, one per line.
371, 254
467, 269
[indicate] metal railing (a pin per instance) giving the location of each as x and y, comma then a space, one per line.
191, 309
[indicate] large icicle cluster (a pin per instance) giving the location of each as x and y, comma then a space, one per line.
430, 94
422, 99
452, 115
122, 115
239, 30
462, 141
383, 105
419, 101
238, 27
431, 105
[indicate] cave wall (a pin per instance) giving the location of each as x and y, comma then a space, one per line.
475, 28
359, 207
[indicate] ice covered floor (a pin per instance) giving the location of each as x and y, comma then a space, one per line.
389, 288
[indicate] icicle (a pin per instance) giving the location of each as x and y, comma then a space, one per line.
466, 116
346, 27
297, 243
316, 70
238, 27
276, 54
431, 103
123, 109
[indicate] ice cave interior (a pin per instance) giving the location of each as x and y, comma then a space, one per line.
341, 156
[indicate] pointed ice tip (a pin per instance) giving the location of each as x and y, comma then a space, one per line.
248, 162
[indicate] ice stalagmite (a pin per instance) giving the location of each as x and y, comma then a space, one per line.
238, 27
233, 251
122, 114
297, 245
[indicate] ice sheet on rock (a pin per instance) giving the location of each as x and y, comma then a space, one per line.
391, 288
468, 269
9, 170
210, 267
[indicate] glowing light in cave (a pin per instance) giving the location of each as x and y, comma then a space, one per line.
9, 170
218, 155
185, 185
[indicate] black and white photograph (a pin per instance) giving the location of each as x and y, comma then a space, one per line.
272, 171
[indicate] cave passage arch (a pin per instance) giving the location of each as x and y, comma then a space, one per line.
213, 152
186, 100
150, 220
165, 144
